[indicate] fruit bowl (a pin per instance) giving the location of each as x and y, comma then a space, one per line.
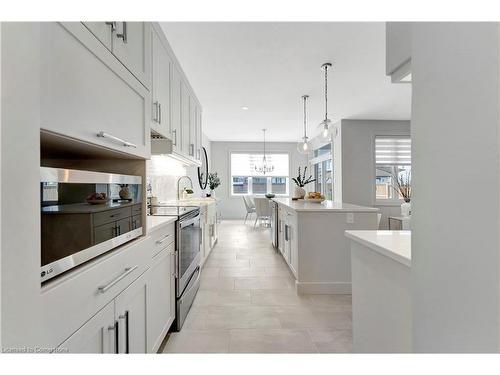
314, 197
97, 198
97, 201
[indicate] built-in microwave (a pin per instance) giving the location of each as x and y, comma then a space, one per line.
85, 214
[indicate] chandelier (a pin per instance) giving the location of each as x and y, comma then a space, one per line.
264, 167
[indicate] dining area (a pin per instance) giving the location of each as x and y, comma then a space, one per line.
261, 208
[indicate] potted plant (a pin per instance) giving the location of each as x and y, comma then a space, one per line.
301, 181
213, 183
403, 188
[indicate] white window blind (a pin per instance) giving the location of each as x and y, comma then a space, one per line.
393, 150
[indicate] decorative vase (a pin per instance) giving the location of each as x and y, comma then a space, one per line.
299, 192
212, 193
124, 192
406, 209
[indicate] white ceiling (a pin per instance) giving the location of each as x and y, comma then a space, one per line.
269, 66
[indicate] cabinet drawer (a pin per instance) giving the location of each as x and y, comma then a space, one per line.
105, 217
162, 238
137, 209
67, 303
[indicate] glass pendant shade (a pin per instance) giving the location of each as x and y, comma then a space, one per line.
303, 146
326, 124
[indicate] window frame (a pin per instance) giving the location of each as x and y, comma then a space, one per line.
377, 201
250, 178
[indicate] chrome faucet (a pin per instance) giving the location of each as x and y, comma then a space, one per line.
179, 180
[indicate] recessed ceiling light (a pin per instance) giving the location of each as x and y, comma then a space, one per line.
245, 108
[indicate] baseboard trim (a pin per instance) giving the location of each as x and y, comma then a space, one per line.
322, 287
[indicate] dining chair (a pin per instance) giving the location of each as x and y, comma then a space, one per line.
249, 207
263, 211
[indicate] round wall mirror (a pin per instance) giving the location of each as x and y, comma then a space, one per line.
203, 169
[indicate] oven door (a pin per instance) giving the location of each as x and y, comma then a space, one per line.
188, 250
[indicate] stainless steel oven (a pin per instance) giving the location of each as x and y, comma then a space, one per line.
188, 263
85, 214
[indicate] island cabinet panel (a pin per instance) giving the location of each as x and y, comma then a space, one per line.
87, 94
312, 241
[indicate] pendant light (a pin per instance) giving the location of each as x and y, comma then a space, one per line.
325, 125
303, 144
265, 167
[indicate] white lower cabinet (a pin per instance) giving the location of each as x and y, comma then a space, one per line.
130, 313
288, 238
160, 297
95, 336
136, 319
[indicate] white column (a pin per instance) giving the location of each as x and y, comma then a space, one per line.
456, 174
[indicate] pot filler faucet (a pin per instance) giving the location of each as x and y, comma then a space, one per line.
178, 182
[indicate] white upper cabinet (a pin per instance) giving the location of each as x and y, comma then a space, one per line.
176, 112
160, 88
398, 51
88, 94
185, 114
131, 45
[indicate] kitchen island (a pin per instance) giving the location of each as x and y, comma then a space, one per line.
381, 299
312, 241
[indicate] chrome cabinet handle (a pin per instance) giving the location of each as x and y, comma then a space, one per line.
112, 24
176, 264
159, 242
155, 111
191, 149
127, 336
102, 134
126, 272
159, 113
115, 329
123, 35
175, 136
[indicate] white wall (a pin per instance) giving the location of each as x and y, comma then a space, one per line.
358, 161
164, 171
233, 207
455, 155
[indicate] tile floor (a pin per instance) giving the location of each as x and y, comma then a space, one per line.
247, 304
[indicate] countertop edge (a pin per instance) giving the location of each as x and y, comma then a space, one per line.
379, 249
150, 227
359, 209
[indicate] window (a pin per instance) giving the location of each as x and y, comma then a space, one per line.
245, 180
392, 159
323, 171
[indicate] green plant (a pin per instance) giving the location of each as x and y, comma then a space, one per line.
213, 181
403, 185
189, 191
301, 180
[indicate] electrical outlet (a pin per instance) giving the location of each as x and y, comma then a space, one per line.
350, 218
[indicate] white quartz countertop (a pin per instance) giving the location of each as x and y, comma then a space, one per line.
395, 244
325, 206
156, 222
189, 202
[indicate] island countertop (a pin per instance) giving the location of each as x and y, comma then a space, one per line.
395, 244
325, 206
